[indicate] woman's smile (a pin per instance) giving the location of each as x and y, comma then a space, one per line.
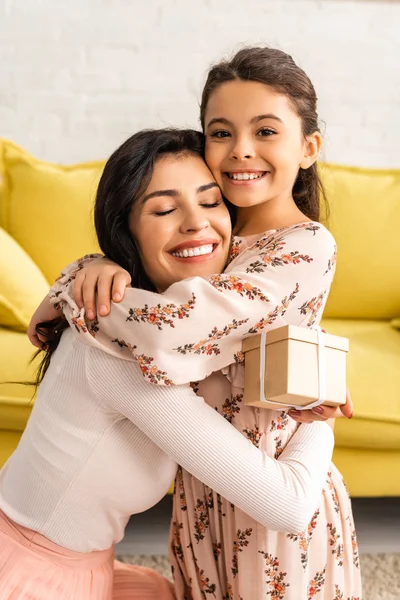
196, 250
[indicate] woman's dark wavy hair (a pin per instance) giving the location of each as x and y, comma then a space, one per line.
126, 175
279, 71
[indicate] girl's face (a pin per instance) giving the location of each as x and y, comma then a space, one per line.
254, 143
180, 223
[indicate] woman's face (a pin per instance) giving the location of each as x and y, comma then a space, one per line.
180, 223
254, 143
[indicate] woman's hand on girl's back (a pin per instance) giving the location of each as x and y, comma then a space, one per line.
104, 278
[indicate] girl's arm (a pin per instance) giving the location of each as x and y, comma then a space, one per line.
280, 494
197, 326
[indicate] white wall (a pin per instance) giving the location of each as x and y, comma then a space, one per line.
79, 76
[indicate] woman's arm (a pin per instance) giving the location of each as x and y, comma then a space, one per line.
281, 494
197, 326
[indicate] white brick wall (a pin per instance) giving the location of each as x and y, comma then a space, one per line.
78, 77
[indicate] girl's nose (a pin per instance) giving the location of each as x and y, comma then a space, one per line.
242, 149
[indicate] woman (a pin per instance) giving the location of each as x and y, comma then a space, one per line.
101, 443
259, 116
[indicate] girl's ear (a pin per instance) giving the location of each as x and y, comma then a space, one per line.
312, 147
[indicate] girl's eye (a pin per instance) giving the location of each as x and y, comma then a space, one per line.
221, 133
164, 212
265, 132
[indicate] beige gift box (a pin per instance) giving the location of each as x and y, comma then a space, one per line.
302, 366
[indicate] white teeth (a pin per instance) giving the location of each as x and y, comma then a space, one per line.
244, 176
197, 251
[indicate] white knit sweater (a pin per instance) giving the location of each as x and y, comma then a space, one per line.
102, 444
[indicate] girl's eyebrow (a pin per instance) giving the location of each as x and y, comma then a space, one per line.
267, 116
175, 193
256, 119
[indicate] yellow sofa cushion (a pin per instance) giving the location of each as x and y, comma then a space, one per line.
47, 208
373, 377
15, 398
365, 217
23, 286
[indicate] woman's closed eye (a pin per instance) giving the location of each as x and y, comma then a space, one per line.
214, 204
163, 213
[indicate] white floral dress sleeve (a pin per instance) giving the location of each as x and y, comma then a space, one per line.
197, 325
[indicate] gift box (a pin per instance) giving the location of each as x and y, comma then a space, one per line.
295, 367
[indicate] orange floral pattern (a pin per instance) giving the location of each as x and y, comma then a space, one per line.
331, 262
340, 596
254, 435
161, 315
202, 522
280, 422
149, 370
316, 584
312, 308
272, 254
236, 284
275, 578
238, 545
304, 539
278, 311
235, 248
231, 407
337, 547
205, 346
179, 488
332, 489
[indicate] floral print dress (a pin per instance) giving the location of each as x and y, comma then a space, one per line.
193, 333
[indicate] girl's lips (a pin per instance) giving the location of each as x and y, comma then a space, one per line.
245, 182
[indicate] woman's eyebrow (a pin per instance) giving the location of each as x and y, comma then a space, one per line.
159, 193
207, 186
175, 193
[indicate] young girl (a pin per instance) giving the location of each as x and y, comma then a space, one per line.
258, 114
102, 444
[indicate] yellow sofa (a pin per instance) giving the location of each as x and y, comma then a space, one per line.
46, 222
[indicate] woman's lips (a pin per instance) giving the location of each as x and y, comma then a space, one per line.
204, 255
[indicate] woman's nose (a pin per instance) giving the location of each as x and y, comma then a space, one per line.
195, 220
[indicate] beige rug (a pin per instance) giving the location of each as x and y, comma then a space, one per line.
381, 573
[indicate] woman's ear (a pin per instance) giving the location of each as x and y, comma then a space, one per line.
312, 147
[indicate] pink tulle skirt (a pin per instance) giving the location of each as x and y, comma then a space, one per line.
34, 568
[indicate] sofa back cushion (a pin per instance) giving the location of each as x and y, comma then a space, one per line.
365, 220
48, 208
22, 284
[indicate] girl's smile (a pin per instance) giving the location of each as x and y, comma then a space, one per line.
244, 177
255, 148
